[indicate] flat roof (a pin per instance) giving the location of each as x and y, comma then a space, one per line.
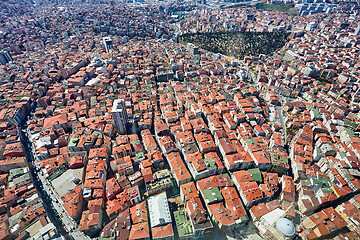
159, 210
64, 183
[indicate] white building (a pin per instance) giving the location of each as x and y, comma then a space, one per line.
273, 225
120, 116
159, 210
108, 43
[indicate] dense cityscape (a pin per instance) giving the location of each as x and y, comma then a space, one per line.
179, 119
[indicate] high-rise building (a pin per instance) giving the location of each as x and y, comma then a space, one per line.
108, 43
192, 48
120, 116
5, 57
357, 30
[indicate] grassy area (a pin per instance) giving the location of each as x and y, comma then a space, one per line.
291, 131
56, 174
276, 7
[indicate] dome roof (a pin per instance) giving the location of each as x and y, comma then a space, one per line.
286, 227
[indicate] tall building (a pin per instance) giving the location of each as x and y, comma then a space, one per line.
192, 48
120, 116
108, 43
5, 57
357, 30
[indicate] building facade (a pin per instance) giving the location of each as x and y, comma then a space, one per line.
120, 116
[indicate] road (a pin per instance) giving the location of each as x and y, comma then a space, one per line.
256, 84
47, 204
281, 117
51, 200
68, 222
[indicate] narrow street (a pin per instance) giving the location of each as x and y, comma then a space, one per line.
47, 203
279, 111
64, 224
